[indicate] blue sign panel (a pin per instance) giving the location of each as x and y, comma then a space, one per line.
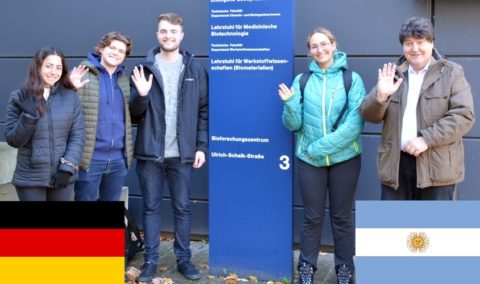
250, 164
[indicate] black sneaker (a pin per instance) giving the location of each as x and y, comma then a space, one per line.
344, 274
148, 271
305, 273
188, 270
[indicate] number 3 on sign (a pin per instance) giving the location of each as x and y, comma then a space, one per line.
285, 162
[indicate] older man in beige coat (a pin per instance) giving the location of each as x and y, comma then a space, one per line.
426, 106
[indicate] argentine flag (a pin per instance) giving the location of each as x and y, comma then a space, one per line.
417, 242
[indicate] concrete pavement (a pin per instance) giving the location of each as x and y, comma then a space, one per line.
167, 266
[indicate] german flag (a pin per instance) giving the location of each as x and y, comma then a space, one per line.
62, 242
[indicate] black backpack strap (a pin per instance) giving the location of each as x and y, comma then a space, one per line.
133, 226
303, 82
347, 82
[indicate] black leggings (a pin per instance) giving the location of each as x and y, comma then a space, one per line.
45, 194
340, 181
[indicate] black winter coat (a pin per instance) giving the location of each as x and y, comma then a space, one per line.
192, 112
42, 141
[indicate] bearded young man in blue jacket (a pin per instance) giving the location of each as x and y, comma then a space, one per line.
171, 108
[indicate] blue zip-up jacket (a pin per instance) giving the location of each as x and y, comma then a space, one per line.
110, 137
323, 99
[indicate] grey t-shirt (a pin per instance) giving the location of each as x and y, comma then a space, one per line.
171, 74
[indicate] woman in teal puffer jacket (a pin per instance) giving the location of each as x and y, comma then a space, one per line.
327, 160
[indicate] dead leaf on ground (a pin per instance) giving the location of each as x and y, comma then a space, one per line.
162, 280
133, 273
231, 279
203, 266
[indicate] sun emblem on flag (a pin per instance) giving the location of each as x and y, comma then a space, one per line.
418, 242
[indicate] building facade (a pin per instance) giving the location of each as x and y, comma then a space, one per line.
367, 30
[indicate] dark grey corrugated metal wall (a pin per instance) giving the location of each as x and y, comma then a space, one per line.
367, 30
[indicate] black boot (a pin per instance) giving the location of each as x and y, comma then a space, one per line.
344, 274
305, 273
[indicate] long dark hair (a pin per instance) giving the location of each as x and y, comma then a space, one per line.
34, 82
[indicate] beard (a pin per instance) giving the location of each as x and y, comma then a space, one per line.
171, 48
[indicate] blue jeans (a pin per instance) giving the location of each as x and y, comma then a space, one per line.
103, 181
152, 176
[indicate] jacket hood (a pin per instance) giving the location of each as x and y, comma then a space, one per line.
93, 63
339, 62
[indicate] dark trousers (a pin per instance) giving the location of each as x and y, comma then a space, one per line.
340, 182
408, 189
152, 177
45, 193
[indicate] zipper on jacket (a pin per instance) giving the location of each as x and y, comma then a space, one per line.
113, 113
355, 146
51, 142
125, 108
324, 118
155, 71
181, 86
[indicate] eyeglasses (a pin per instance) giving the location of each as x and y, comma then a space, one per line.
321, 45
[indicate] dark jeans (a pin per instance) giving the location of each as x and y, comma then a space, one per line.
340, 182
45, 193
152, 177
408, 189
103, 181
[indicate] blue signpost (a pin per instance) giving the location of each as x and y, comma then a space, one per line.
250, 160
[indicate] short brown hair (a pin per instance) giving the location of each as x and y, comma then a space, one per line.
172, 18
107, 39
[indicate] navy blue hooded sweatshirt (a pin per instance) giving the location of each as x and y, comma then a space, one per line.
110, 139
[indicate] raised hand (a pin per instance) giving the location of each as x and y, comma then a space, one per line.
386, 85
77, 74
141, 83
284, 92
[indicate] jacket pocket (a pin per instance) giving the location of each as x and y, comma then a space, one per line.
385, 162
446, 163
435, 107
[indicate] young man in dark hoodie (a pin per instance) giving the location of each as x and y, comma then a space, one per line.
171, 108
104, 91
